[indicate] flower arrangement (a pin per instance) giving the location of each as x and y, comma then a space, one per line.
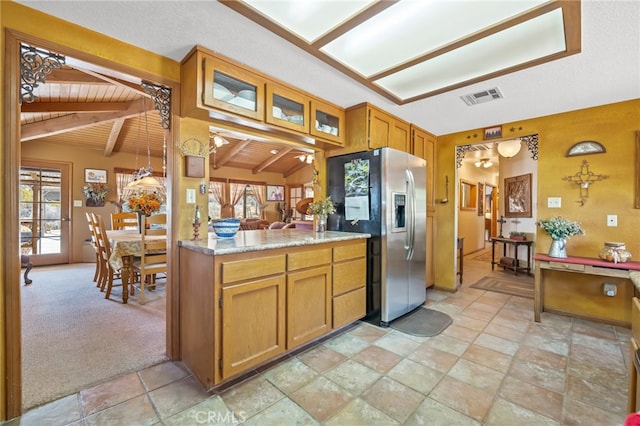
321, 207
559, 228
95, 191
145, 202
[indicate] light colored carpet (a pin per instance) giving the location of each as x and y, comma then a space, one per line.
74, 338
422, 322
522, 286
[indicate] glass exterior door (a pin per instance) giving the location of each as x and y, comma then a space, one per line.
44, 213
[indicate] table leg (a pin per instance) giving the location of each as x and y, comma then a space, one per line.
493, 254
515, 260
124, 272
538, 294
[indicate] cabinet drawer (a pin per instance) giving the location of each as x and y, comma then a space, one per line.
307, 259
566, 266
349, 307
252, 268
348, 276
349, 252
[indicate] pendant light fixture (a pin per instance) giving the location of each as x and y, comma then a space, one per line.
484, 163
509, 148
143, 178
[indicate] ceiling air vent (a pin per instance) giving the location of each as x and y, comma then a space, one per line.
482, 97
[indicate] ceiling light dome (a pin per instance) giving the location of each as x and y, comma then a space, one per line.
509, 148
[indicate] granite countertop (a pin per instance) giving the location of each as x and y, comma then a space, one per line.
247, 241
635, 279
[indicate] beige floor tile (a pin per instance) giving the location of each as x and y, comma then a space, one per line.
477, 375
321, 398
368, 332
605, 376
535, 398
110, 393
597, 352
536, 374
162, 374
377, 358
507, 413
473, 312
290, 375
283, 412
136, 411
463, 397
392, 398
432, 412
353, 376
398, 343
472, 323
589, 328
210, 411
358, 412
347, 344
604, 397
322, 358
461, 333
416, 376
177, 396
433, 358
489, 358
541, 357
60, 412
577, 413
497, 344
508, 333
449, 344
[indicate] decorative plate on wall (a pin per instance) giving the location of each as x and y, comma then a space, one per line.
586, 147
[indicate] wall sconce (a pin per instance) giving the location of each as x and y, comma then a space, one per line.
584, 178
509, 148
484, 163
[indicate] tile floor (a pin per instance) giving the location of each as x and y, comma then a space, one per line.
492, 366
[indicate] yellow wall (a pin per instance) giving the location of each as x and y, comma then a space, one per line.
613, 126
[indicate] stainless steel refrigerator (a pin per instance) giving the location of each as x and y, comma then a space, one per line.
383, 193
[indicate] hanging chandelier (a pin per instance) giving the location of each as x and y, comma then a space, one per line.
143, 178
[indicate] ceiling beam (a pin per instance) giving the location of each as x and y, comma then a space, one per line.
76, 121
113, 136
229, 154
294, 169
270, 160
71, 76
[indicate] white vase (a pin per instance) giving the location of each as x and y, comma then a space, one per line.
558, 248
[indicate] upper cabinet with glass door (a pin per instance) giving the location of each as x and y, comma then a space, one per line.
233, 89
327, 121
287, 108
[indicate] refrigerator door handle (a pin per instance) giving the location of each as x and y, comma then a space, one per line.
411, 222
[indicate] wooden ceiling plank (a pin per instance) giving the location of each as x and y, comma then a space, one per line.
113, 136
270, 160
79, 107
294, 169
72, 76
71, 122
229, 154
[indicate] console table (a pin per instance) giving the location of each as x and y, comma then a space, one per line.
515, 267
576, 265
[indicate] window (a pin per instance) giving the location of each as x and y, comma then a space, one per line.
216, 199
246, 200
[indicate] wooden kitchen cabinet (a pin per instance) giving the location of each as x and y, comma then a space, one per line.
349, 283
369, 127
327, 121
287, 108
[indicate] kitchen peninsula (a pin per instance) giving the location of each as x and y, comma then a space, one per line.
251, 299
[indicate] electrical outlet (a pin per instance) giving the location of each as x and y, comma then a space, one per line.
612, 220
610, 289
554, 202
191, 196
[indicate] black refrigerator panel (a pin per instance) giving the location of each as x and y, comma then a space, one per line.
336, 189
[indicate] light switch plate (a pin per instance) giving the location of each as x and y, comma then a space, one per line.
191, 196
77, 203
554, 202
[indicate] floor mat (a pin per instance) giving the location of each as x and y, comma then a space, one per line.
500, 285
422, 322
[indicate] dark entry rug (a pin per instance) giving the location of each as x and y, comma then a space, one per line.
422, 322
522, 288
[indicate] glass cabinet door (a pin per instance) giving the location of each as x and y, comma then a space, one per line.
327, 121
287, 108
233, 89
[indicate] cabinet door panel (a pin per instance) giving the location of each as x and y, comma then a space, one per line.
379, 129
400, 135
327, 122
349, 275
253, 324
308, 305
349, 307
287, 108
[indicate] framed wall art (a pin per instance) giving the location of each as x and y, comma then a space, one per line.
494, 132
275, 193
517, 198
95, 176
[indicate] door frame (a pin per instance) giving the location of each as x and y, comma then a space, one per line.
10, 347
66, 234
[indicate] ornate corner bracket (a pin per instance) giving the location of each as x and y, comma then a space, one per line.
35, 66
161, 97
532, 145
461, 150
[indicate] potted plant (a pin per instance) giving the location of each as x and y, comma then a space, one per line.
320, 209
517, 236
95, 194
559, 229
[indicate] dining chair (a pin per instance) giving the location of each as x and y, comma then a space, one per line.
124, 220
153, 255
107, 280
94, 245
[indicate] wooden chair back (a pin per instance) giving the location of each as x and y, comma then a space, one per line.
124, 220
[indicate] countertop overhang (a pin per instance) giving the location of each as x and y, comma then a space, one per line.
248, 241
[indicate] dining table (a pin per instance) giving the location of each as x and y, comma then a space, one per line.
125, 245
